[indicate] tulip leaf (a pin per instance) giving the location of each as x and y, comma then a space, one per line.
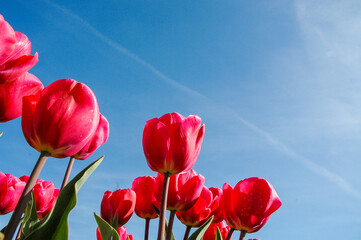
30, 217
106, 230
55, 225
219, 235
198, 234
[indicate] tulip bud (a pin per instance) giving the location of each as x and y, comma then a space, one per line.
62, 120
45, 195
144, 189
200, 212
211, 231
11, 188
122, 231
249, 204
120, 203
172, 143
184, 190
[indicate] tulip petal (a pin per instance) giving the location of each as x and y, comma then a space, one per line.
11, 94
7, 39
156, 144
12, 69
22, 46
99, 138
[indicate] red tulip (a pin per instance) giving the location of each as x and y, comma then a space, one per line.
211, 231
99, 138
122, 231
184, 190
249, 204
45, 195
15, 81
15, 58
11, 188
217, 208
121, 203
144, 189
200, 212
62, 120
172, 143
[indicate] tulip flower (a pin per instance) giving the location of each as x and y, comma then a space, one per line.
184, 190
122, 231
45, 195
62, 120
249, 204
144, 189
199, 212
11, 188
15, 81
120, 203
211, 231
172, 143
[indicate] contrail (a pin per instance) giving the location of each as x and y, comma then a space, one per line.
125, 51
278, 145
316, 168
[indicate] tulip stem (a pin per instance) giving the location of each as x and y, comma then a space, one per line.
163, 207
230, 234
243, 235
67, 173
186, 234
20, 207
19, 232
170, 225
146, 233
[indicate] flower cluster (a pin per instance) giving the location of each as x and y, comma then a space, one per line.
171, 146
63, 120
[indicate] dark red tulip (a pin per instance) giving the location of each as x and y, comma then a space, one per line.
184, 189
144, 189
211, 232
121, 203
172, 143
100, 137
62, 120
249, 204
200, 212
11, 188
122, 231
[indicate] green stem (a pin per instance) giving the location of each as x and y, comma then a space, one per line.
170, 225
67, 173
163, 207
20, 207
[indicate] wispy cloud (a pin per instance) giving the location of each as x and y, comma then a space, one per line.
277, 144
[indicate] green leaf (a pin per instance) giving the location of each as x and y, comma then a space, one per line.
30, 217
106, 230
55, 225
219, 235
198, 234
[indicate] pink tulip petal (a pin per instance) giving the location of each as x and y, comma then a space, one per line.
7, 39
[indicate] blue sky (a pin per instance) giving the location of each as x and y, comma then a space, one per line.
277, 84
